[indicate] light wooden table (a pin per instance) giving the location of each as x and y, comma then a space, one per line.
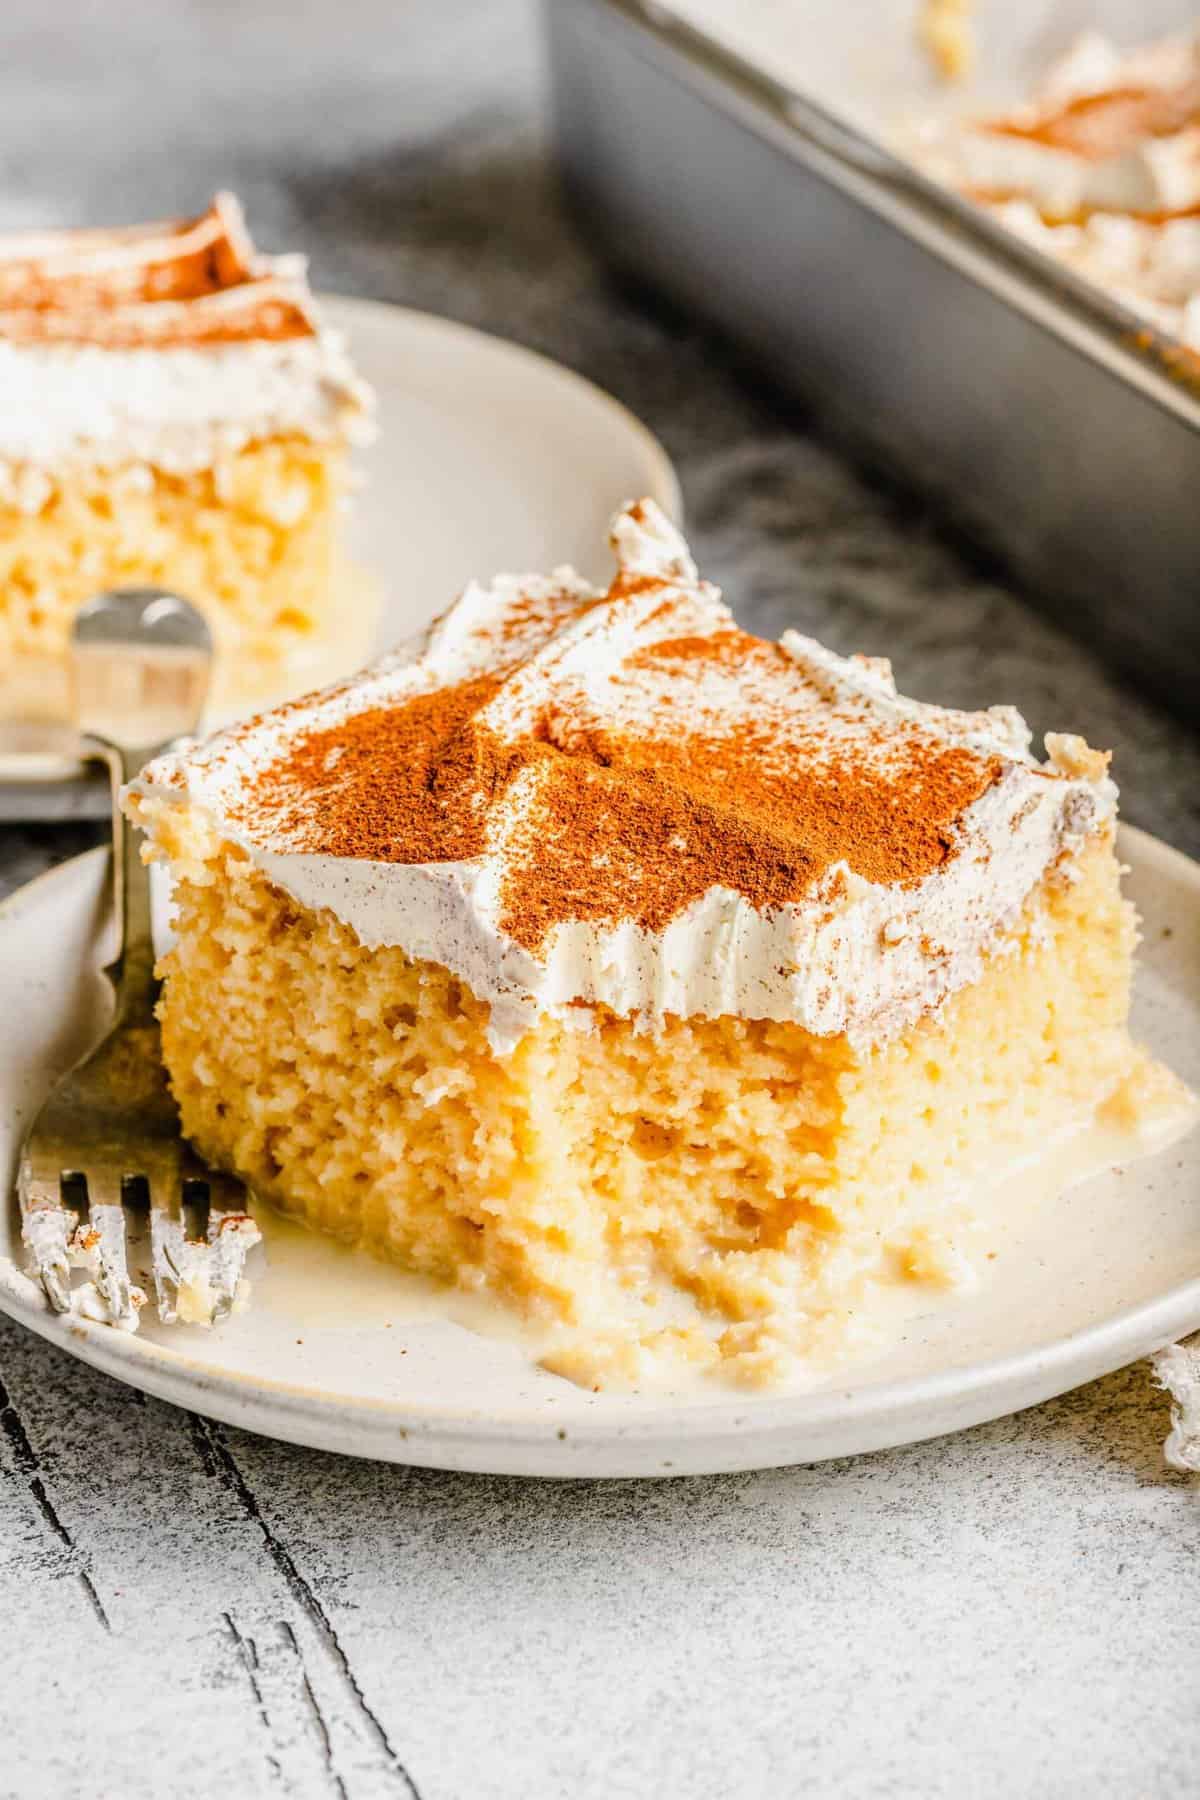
189, 1611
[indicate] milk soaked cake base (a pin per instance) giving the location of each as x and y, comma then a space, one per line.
591, 1178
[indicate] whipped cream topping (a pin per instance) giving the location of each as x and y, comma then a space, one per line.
633, 804
168, 345
1101, 170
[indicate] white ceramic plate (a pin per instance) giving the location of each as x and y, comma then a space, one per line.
489, 458
333, 1352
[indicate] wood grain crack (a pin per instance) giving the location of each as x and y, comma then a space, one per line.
249, 1660
218, 1461
314, 1707
30, 1469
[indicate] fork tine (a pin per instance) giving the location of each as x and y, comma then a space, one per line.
196, 1280
232, 1234
171, 1255
102, 1244
46, 1227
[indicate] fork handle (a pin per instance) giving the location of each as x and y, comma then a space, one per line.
132, 971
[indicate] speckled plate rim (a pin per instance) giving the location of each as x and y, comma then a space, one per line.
657, 1438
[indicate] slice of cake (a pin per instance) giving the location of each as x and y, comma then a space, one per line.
667, 982
175, 414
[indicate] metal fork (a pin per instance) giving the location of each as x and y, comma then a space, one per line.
107, 1140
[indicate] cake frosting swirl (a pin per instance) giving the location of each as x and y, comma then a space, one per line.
576, 799
169, 345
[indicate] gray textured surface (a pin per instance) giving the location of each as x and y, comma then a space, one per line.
187, 1610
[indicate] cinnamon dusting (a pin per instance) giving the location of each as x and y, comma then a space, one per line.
185, 282
708, 760
1103, 124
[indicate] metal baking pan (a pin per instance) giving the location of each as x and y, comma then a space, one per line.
1041, 416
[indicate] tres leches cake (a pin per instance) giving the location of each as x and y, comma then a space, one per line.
1100, 170
667, 983
175, 414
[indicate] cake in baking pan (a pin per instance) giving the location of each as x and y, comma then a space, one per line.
1101, 170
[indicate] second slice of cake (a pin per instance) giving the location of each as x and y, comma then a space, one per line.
175, 414
667, 982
